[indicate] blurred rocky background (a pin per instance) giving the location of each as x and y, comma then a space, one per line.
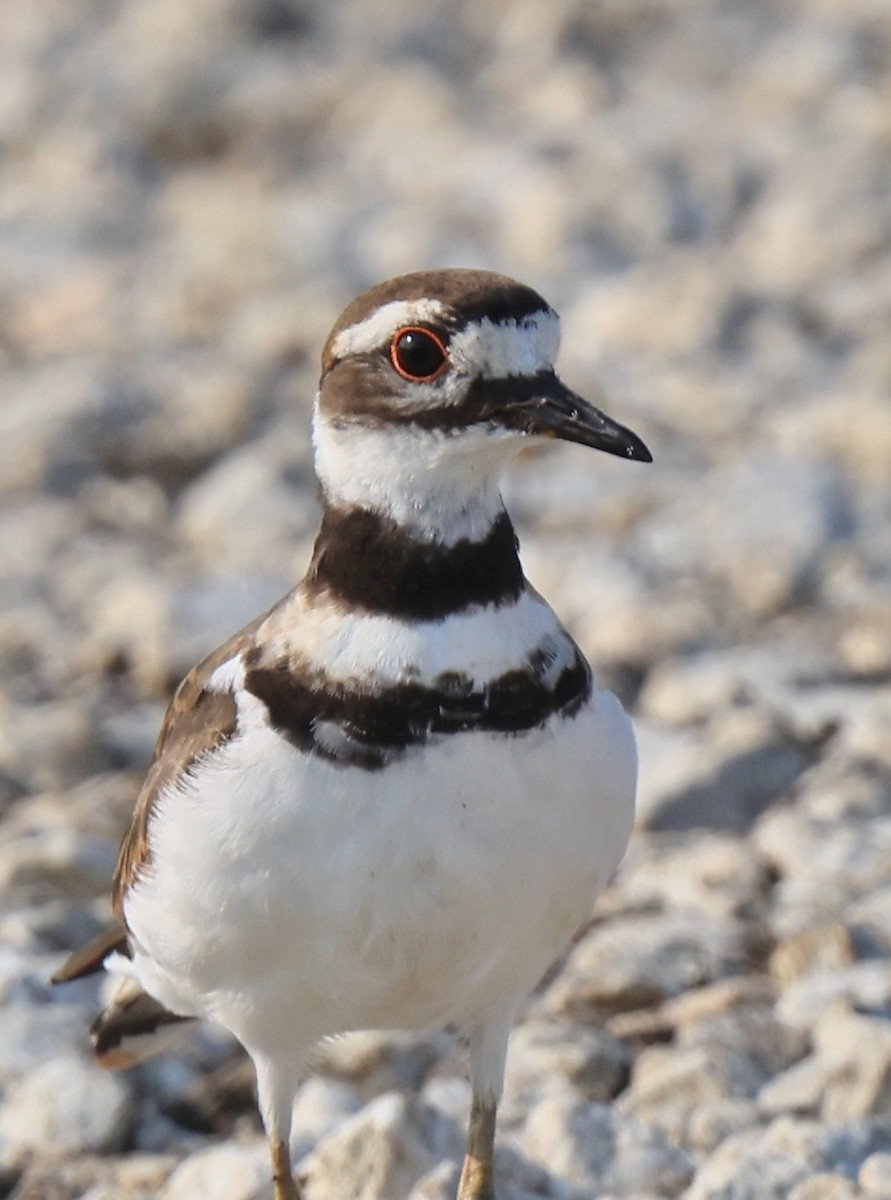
190, 190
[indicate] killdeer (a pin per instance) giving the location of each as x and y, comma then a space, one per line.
391, 800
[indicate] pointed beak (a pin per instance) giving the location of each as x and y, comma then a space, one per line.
543, 405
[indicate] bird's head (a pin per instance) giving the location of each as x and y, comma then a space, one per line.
430, 381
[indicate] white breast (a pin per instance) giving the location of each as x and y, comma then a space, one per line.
292, 898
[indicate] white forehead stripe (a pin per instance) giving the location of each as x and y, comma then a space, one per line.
376, 330
499, 349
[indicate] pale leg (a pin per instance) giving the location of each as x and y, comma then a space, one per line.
276, 1098
284, 1186
478, 1173
488, 1050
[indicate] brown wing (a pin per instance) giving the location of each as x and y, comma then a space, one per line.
132, 1027
197, 722
90, 958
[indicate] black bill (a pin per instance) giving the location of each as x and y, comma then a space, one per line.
544, 406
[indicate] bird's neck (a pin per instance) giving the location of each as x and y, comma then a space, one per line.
366, 560
413, 523
435, 487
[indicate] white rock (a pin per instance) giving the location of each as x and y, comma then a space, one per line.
32, 1035
228, 1172
668, 1084
545, 1052
715, 1121
596, 1146
773, 1161
67, 1104
637, 960
439, 1184
825, 1186
759, 525
854, 1051
243, 510
874, 1176
865, 984
715, 874
322, 1104
720, 779
799, 1089
375, 1061
379, 1154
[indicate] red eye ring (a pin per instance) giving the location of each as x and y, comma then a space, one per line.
430, 354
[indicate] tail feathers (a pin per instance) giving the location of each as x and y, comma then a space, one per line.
90, 959
133, 1027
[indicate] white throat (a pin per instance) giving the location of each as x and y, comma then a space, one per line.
438, 487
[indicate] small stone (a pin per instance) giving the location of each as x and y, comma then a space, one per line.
713, 1001
723, 781
758, 525
823, 1187
865, 985
144, 1172
60, 858
796, 1090
854, 1051
252, 478
442, 1183
541, 1051
598, 1147
379, 1154
640, 960
874, 1176
713, 1122
321, 1105
67, 1104
439, 1184
712, 873
227, 1172
107, 1191
32, 1035
668, 1084
743, 1167
375, 1061
826, 948
864, 647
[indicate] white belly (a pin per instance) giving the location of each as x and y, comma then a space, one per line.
290, 898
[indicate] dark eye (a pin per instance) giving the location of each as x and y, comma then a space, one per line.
418, 354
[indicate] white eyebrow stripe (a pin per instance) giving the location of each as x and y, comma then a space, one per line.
485, 348
376, 330
500, 349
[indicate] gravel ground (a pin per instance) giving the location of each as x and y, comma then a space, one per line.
189, 193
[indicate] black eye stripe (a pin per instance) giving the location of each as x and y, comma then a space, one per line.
418, 354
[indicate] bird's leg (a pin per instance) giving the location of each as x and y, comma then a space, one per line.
478, 1173
488, 1049
275, 1093
284, 1187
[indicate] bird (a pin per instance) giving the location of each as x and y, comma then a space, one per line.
390, 801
